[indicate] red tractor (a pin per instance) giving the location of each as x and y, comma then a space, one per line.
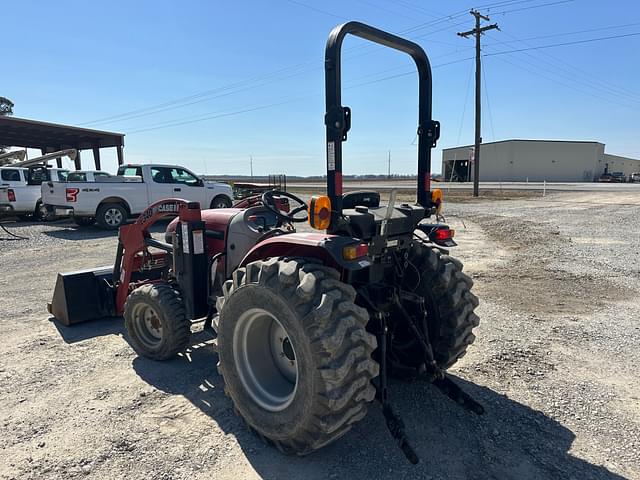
309, 325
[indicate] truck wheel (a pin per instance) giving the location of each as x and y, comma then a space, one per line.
156, 321
294, 353
221, 201
111, 216
84, 221
43, 213
450, 311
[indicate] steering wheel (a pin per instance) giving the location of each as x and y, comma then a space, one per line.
270, 203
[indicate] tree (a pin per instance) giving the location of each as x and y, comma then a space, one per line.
6, 108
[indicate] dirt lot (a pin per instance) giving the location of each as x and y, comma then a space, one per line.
556, 365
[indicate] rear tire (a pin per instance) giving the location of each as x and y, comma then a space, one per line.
294, 353
221, 201
450, 312
156, 321
111, 216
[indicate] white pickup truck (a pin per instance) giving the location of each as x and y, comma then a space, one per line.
111, 200
20, 192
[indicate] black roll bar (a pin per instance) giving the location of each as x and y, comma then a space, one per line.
338, 118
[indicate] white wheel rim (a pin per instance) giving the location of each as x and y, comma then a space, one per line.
265, 359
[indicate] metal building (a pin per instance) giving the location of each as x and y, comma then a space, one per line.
535, 161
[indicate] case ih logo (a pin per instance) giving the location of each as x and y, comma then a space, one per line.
168, 208
162, 208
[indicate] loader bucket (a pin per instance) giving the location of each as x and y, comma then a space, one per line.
82, 296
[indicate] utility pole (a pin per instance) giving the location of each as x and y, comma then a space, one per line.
477, 32
251, 166
389, 166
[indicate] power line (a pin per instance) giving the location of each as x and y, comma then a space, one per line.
576, 32
198, 95
559, 69
273, 76
384, 9
538, 72
393, 69
466, 98
486, 94
561, 65
277, 74
560, 2
284, 101
563, 44
318, 10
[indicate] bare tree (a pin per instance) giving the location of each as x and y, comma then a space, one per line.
6, 108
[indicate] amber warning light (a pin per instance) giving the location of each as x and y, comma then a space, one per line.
320, 212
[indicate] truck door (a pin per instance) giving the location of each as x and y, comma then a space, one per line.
176, 182
161, 184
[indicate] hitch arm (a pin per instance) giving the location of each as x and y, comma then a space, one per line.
437, 376
395, 425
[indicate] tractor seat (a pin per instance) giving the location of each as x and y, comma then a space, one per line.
361, 198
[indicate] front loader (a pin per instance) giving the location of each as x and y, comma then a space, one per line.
309, 326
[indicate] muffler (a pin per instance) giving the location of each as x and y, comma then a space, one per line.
83, 295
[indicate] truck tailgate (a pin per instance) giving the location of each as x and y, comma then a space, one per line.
54, 193
22, 199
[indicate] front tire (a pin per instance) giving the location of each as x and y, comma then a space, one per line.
450, 309
221, 201
294, 353
156, 321
111, 216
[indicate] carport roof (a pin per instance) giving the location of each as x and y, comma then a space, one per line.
22, 132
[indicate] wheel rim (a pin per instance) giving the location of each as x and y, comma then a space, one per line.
265, 359
147, 325
113, 217
220, 204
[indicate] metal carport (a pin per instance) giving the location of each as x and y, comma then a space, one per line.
51, 137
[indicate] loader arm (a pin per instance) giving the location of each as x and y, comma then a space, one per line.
135, 238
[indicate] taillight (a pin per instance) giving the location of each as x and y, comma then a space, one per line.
11, 194
353, 252
442, 234
72, 194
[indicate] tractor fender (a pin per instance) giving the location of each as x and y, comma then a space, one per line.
324, 247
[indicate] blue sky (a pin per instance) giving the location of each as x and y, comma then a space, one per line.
257, 66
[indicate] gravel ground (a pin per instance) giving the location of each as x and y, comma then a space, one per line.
555, 365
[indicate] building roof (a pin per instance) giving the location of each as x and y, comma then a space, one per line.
526, 140
22, 132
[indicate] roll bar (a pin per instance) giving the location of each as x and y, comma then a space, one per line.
338, 118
